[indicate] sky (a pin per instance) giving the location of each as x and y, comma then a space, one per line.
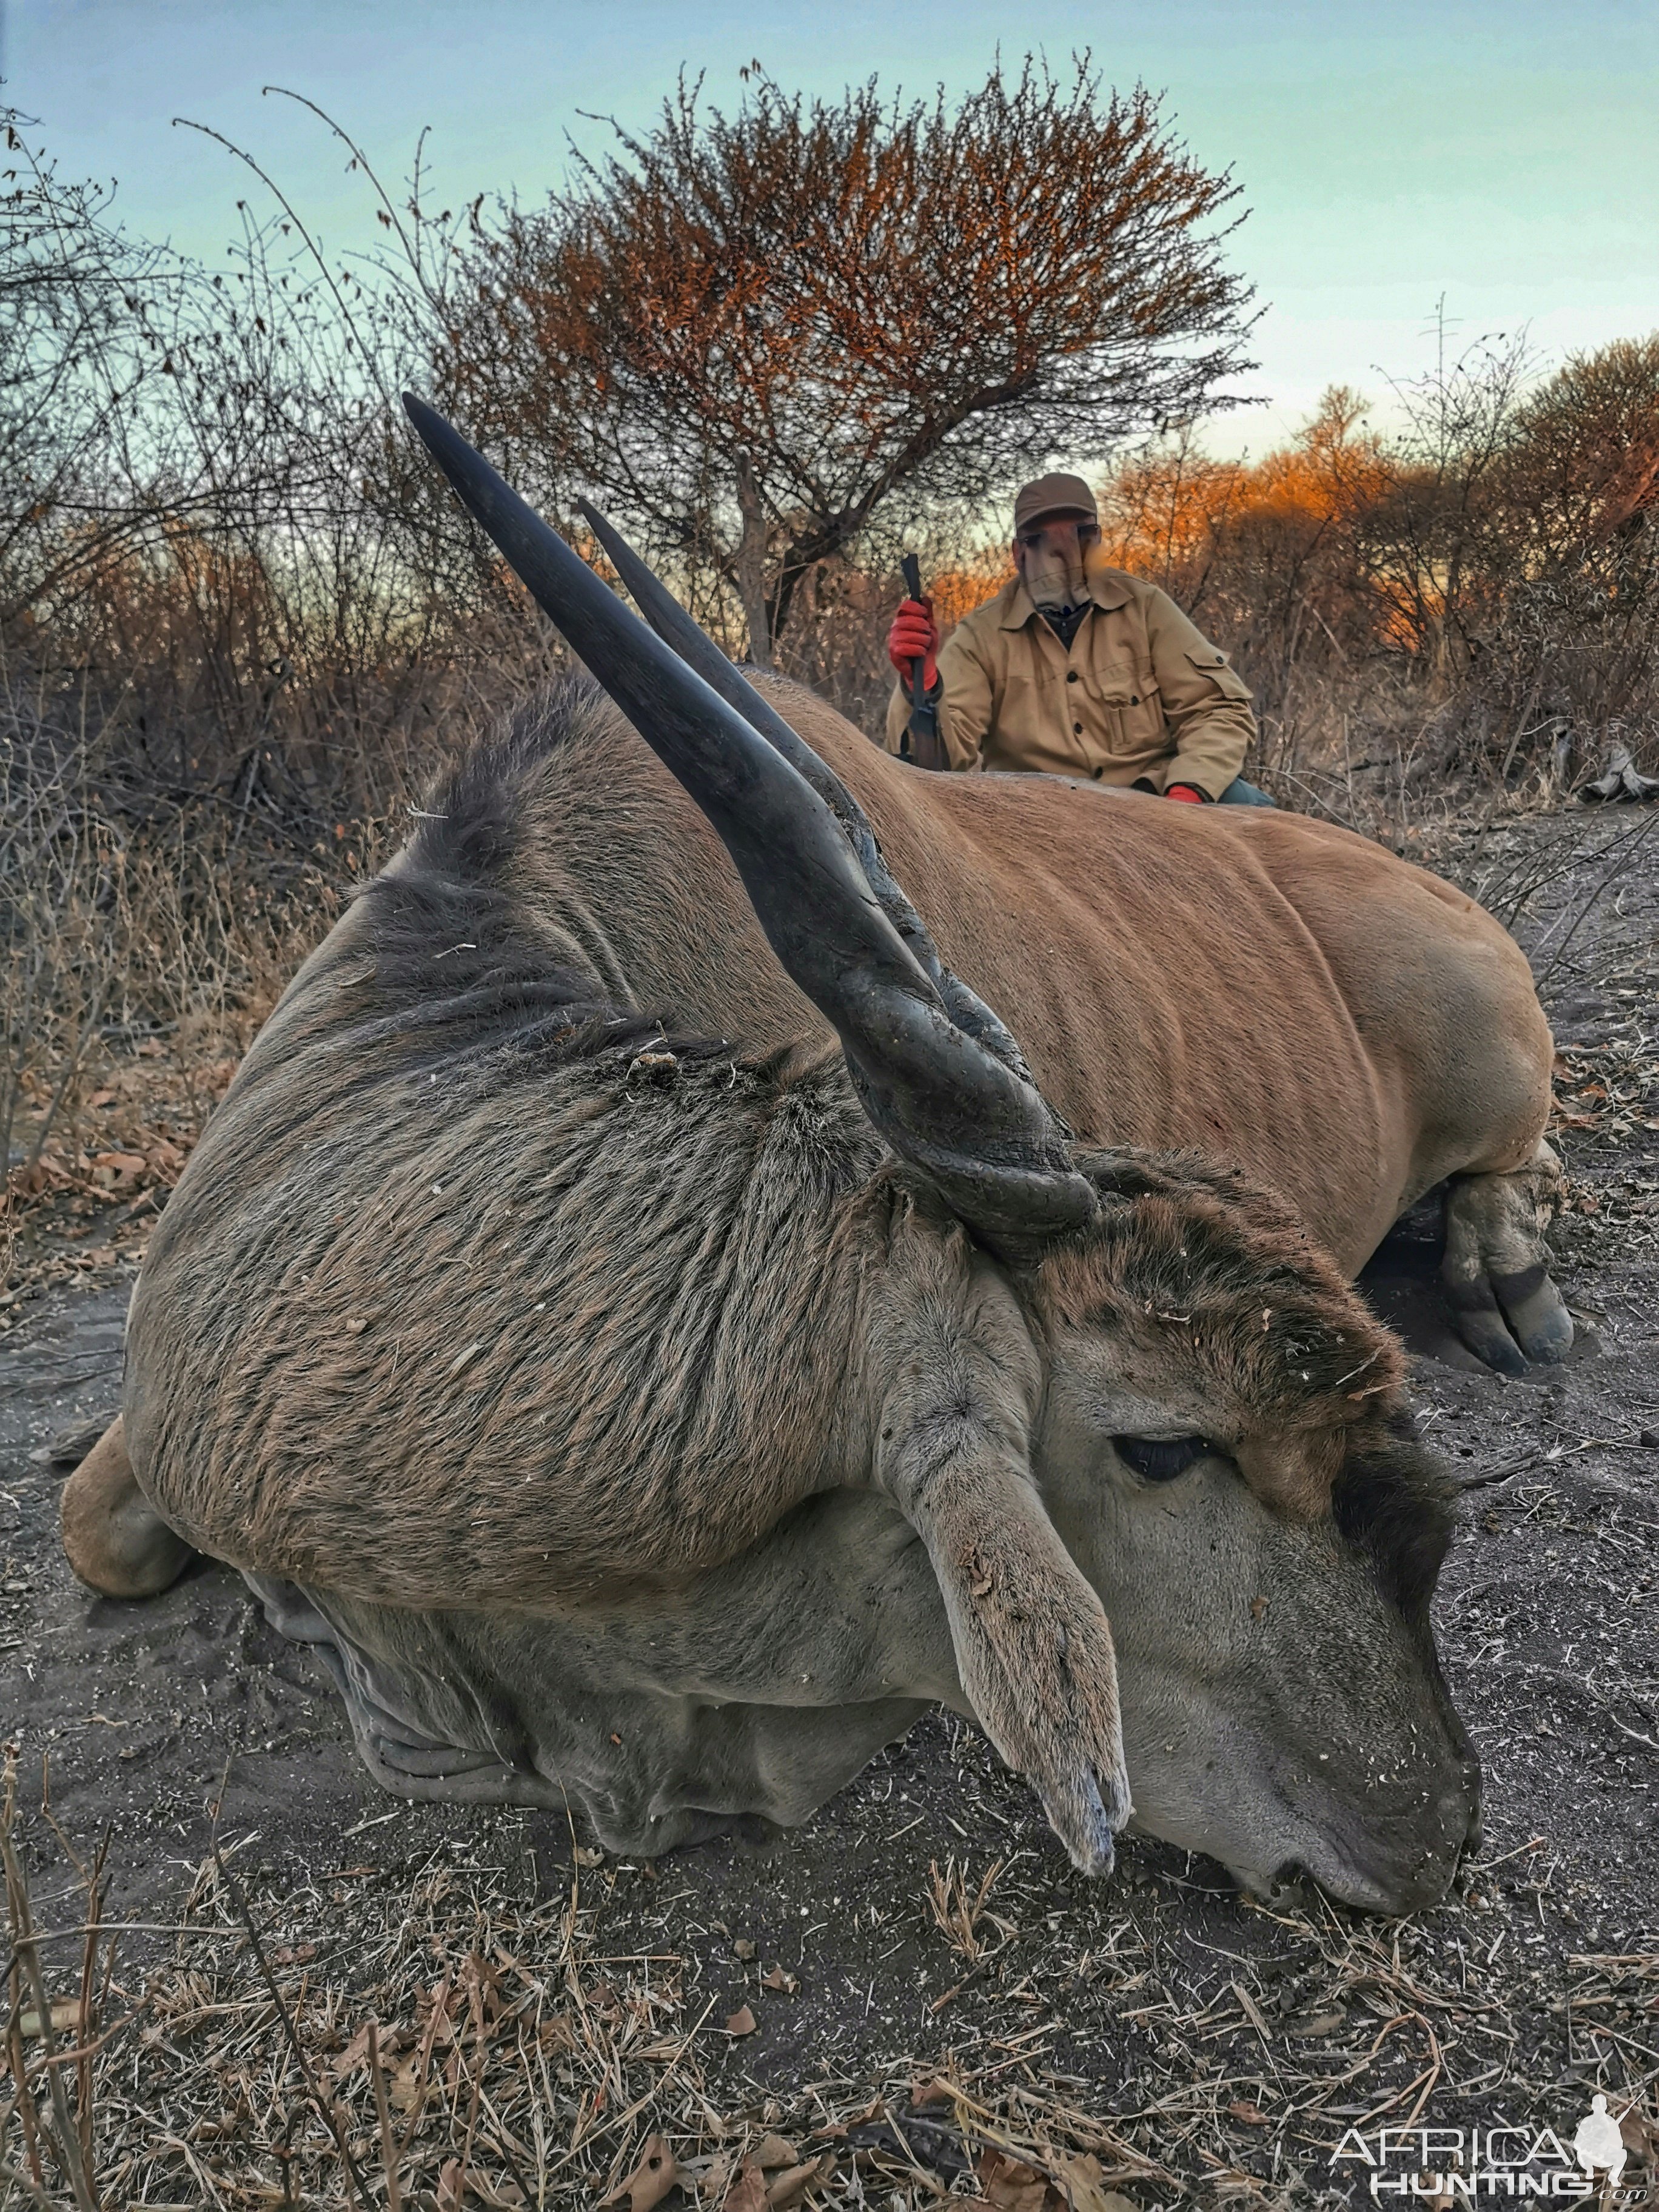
1500, 155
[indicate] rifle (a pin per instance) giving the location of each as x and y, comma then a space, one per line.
921, 741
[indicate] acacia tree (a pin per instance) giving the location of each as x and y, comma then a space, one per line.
748, 331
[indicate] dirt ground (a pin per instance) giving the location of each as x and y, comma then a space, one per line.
913, 1995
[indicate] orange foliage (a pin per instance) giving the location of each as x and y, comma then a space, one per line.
1168, 513
1279, 555
956, 592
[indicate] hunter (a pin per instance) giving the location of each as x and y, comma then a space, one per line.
1075, 669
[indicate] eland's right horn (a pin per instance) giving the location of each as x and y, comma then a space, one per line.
698, 650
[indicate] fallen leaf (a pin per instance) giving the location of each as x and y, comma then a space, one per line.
741, 2022
787, 2188
747, 2193
65, 2014
742, 1947
1010, 2183
122, 1165
652, 2178
1083, 2180
776, 1979
774, 2150
1308, 2024
930, 2093
1251, 2116
353, 2055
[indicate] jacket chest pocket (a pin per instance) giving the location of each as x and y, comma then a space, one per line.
1131, 712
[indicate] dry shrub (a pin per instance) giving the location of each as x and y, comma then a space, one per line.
147, 935
1473, 598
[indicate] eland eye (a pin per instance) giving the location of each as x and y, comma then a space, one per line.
1160, 1458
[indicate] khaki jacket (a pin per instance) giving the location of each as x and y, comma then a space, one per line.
1141, 697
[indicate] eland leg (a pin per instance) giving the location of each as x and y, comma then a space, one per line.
1496, 1267
112, 1536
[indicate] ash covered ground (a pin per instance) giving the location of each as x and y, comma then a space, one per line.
859, 1996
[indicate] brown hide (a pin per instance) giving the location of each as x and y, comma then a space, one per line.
1266, 989
481, 1306
349, 1228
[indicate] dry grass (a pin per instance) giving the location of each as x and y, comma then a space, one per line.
450, 2043
125, 1016
958, 1907
142, 942
446, 2039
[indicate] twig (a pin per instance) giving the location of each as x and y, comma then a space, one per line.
1627, 846
66, 1078
388, 2149
324, 2107
69, 2143
13, 2179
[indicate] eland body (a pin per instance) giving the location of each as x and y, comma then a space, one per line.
641, 1313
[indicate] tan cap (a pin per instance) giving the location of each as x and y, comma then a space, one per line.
1059, 493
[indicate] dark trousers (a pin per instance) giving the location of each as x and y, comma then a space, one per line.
1240, 794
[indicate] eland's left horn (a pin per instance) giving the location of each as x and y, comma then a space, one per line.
940, 1098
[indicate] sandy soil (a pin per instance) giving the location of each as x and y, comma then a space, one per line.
1221, 2050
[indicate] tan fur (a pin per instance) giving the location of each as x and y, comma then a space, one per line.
1253, 985
112, 1536
478, 1311
1214, 1274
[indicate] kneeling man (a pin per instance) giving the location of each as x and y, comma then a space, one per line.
1077, 669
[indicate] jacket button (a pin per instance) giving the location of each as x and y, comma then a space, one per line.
1071, 675
1077, 729
1097, 774
1134, 701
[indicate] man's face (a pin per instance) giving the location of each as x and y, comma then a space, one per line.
1050, 553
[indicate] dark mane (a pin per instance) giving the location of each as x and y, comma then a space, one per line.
462, 971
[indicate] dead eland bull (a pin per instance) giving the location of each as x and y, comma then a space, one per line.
628, 1415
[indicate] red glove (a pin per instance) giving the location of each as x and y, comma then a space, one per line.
1186, 794
914, 636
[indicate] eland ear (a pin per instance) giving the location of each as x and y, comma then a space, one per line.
940, 1096
1033, 1648
962, 1381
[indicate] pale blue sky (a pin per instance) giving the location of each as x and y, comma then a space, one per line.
1504, 152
